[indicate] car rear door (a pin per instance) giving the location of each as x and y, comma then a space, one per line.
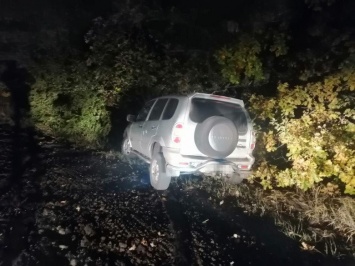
136, 131
151, 125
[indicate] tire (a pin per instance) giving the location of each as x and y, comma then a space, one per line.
234, 179
126, 148
159, 179
216, 137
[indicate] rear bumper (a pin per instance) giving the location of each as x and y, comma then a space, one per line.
173, 157
213, 166
198, 164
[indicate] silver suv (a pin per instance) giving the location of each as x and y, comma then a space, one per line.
200, 132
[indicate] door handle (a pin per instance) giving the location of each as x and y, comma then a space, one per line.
140, 126
154, 127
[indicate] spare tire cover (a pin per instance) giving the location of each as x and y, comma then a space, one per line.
216, 137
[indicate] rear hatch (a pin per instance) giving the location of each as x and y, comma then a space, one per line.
204, 106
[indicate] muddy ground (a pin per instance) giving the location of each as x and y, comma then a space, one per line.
84, 207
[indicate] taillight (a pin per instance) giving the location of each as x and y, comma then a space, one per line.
253, 139
243, 166
177, 133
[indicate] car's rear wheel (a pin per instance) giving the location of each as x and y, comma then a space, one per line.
234, 179
159, 179
216, 137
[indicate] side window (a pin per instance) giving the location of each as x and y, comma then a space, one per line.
170, 109
144, 111
157, 109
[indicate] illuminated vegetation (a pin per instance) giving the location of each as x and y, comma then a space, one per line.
301, 93
66, 103
243, 63
315, 123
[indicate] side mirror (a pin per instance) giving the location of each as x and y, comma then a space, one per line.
131, 118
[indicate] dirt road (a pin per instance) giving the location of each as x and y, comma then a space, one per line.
83, 207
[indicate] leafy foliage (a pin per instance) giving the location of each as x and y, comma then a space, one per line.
129, 58
243, 59
315, 122
125, 64
67, 103
306, 126
245, 62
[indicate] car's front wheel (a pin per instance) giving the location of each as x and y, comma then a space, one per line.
159, 179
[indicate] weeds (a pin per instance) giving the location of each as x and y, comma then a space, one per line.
330, 247
322, 222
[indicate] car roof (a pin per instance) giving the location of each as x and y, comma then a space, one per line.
204, 96
171, 96
217, 98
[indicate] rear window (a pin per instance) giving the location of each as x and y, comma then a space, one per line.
201, 109
157, 109
170, 109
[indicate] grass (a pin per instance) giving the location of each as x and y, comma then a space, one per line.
319, 221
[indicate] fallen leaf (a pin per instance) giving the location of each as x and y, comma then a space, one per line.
221, 202
205, 221
144, 242
132, 248
61, 231
63, 247
236, 236
305, 246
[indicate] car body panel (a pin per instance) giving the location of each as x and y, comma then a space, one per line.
185, 157
149, 131
135, 135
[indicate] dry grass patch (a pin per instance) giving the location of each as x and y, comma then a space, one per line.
319, 221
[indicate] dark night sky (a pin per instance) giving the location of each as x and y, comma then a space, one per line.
340, 13
21, 17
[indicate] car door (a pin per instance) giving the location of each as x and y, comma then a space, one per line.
151, 125
137, 126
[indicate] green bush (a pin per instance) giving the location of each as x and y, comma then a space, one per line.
247, 61
314, 125
123, 66
67, 104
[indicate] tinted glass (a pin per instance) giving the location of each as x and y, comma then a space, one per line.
201, 109
170, 109
157, 109
145, 111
